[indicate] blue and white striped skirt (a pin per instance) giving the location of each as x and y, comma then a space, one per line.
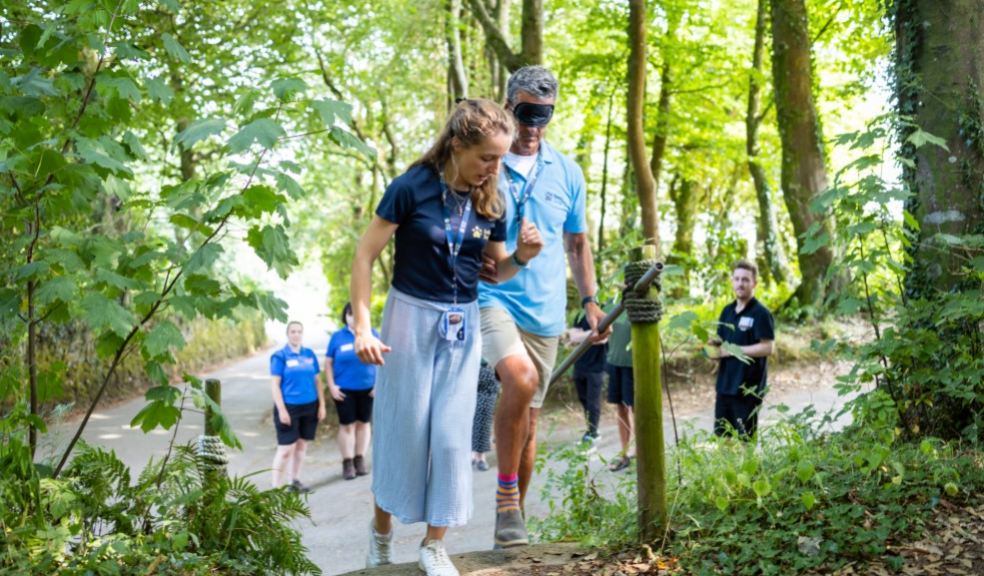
422, 415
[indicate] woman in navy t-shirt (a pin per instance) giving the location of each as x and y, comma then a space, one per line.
445, 213
350, 383
298, 406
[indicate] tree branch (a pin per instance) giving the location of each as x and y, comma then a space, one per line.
494, 36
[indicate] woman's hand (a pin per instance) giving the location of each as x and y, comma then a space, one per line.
370, 350
283, 415
529, 242
322, 413
336, 393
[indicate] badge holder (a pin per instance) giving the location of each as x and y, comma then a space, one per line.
453, 324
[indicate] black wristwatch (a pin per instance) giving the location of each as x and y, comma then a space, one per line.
588, 299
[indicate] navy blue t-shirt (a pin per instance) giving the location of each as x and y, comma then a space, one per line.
414, 200
594, 359
297, 371
349, 372
750, 326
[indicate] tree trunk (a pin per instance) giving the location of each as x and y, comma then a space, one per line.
457, 79
532, 32
804, 173
645, 184
770, 249
940, 75
662, 123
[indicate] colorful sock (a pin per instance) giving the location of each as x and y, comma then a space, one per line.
507, 496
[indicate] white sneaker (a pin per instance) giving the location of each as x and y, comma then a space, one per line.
379, 547
434, 559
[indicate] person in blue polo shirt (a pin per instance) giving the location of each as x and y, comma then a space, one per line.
747, 324
298, 406
523, 319
350, 383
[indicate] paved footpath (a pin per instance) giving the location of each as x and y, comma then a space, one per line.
337, 534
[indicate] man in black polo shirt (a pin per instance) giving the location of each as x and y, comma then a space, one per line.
747, 324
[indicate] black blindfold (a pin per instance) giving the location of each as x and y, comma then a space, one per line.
535, 115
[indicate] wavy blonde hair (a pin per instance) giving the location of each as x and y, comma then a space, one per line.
471, 122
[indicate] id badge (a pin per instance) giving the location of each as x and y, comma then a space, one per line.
453, 324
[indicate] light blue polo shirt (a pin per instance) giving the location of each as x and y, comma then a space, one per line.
536, 296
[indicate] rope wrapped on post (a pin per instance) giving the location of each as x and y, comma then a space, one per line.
641, 306
212, 456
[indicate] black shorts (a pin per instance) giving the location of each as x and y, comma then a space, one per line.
357, 407
303, 423
621, 385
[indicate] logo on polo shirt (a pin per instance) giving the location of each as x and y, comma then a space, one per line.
482, 234
745, 322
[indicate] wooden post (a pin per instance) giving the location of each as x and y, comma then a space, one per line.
213, 389
650, 447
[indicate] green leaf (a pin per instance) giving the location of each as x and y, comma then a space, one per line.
258, 200
156, 414
101, 313
288, 185
174, 49
203, 258
200, 130
271, 245
158, 90
133, 144
347, 140
805, 471
10, 301
59, 288
34, 84
809, 499
201, 284
682, 321
127, 51
124, 87
920, 138
271, 306
286, 88
329, 110
164, 336
97, 152
814, 243
762, 487
263, 130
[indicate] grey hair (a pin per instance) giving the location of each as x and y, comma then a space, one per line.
535, 80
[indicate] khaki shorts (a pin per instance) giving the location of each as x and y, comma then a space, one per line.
501, 338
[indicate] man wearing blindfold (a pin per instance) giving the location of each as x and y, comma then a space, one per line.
523, 318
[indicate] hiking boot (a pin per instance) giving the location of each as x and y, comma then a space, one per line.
510, 529
360, 466
379, 547
348, 469
434, 560
299, 488
481, 465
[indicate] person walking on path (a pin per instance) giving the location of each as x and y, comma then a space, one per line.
522, 319
445, 213
589, 377
350, 384
621, 388
298, 406
488, 393
741, 384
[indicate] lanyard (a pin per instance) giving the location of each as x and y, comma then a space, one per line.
522, 197
454, 245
